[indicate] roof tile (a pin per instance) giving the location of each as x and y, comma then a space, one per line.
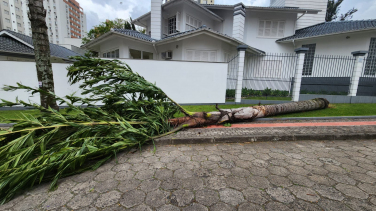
328, 28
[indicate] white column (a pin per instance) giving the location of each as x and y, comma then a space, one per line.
156, 19
298, 73
358, 67
238, 23
239, 82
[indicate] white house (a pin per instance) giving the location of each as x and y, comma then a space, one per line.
186, 30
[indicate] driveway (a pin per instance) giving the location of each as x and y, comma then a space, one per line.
305, 175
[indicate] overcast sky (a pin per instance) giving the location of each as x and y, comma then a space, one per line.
98, 11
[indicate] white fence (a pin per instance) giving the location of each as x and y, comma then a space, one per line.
185, 82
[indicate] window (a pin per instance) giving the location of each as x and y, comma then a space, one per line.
172, 25
6, 12
204, 56
111, 54
191, 23
17, 9
9, 28
7, 20
370, 68
136, 54
18, 17
5, 3
268, 28
19, 25
308, 59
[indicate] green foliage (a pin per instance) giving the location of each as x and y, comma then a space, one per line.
105, 27
227, 125
333, 8
267, 91
230, 93
54, 144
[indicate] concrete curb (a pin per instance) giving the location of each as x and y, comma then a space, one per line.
260, 138
279, 119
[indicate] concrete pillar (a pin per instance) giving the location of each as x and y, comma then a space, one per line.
239, 20
156, 19
239, 82
358, 67
298, 73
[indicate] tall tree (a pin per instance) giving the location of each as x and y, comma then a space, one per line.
332, 11
37, 16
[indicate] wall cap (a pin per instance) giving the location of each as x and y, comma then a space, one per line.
242, 47
359, 53
301, 50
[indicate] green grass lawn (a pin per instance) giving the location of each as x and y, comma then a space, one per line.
263, 98
333, 110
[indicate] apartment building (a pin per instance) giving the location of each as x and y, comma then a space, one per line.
11, 15
65, 19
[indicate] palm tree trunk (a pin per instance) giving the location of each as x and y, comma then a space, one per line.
248, 113
37, 16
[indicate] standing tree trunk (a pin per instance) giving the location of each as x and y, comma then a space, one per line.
37, 16
248, 113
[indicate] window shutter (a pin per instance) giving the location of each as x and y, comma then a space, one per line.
189, 55
261, 28
268, 26
165, 28
205, 56
213, 56
178, 21
274, 30
197, 56
281, 29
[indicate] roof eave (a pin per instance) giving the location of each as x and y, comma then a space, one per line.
108, 34
174, 1
318, 36
187, 35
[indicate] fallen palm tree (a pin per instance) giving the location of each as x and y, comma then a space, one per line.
84, 136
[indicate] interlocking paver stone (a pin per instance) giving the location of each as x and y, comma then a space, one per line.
280, 194
231, 196
352, 191
329, 192
132, 198
207, 197
303, 175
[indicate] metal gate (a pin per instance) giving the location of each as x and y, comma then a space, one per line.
272, 71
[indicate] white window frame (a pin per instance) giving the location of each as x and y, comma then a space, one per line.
109, 51
142, 53
278, 34
188, 25
198, 54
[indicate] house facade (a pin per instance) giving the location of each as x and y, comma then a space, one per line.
186, 30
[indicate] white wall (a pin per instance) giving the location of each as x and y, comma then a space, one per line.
124, 44
268, 44
185, 82
309, 19
338, 44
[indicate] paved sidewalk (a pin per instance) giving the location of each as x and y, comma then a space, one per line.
301, 175
293, 130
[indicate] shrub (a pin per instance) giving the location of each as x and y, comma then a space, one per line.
285, 93
276, 93
258, 93
267, 91
230, 93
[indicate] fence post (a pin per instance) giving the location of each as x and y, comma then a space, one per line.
239, 81
300, 52
358, 67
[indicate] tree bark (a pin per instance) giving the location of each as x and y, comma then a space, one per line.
37, 16
248, 113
